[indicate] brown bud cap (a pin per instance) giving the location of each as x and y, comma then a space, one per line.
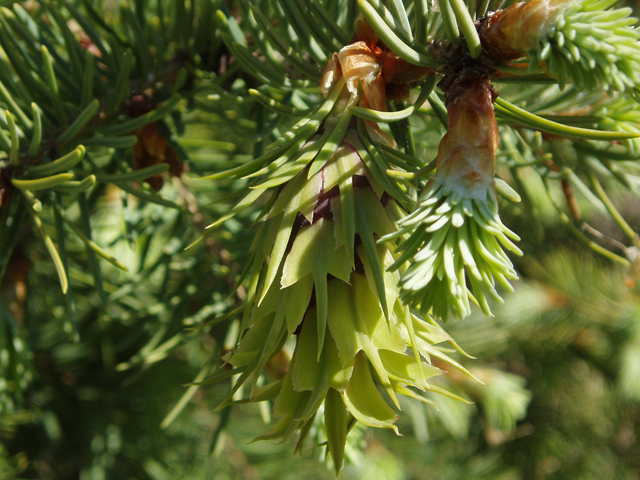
397, 70
364, 32
330, 75
466, 158
358, 63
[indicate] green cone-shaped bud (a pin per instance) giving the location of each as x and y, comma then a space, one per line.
319, 275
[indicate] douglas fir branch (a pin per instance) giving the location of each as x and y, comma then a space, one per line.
380, 130
363, 245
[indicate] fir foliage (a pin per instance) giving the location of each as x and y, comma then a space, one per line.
242, 198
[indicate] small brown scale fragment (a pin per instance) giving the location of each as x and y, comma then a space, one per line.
6, 187
152, 148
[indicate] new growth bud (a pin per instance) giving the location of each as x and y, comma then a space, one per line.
455, 233
511, 32
577, 40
